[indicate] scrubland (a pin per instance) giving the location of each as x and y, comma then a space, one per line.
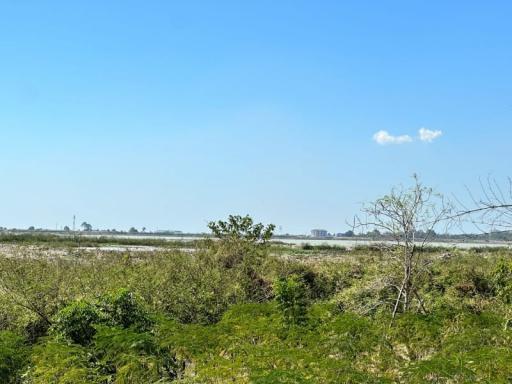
240, 310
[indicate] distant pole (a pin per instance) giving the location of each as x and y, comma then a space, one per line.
74, 219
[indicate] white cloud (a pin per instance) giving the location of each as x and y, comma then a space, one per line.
383, 138
428, 136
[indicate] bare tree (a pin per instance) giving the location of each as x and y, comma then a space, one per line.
407, 216
492, 211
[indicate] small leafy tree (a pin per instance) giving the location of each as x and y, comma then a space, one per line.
241, 228
239, 239
242, 245
86, 226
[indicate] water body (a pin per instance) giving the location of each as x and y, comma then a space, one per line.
342, 242
351, 243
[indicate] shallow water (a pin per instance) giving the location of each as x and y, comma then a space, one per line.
342, 242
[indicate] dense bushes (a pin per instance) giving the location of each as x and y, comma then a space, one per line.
60, 363
251, 344
189, 288
232, 312
13, 356
108, 341
77, 321
128, 356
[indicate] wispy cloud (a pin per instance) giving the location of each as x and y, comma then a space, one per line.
383, 138
428, 135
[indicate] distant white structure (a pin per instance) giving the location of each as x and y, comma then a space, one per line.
319, 233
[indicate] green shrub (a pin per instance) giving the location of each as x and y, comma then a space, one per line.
291, 295
319, 285
127, 356
53, 362
502, 281
13, 356
75, 322
121, 308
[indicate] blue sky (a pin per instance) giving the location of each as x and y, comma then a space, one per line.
169, 114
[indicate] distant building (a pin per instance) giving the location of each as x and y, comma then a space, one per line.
319, 233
